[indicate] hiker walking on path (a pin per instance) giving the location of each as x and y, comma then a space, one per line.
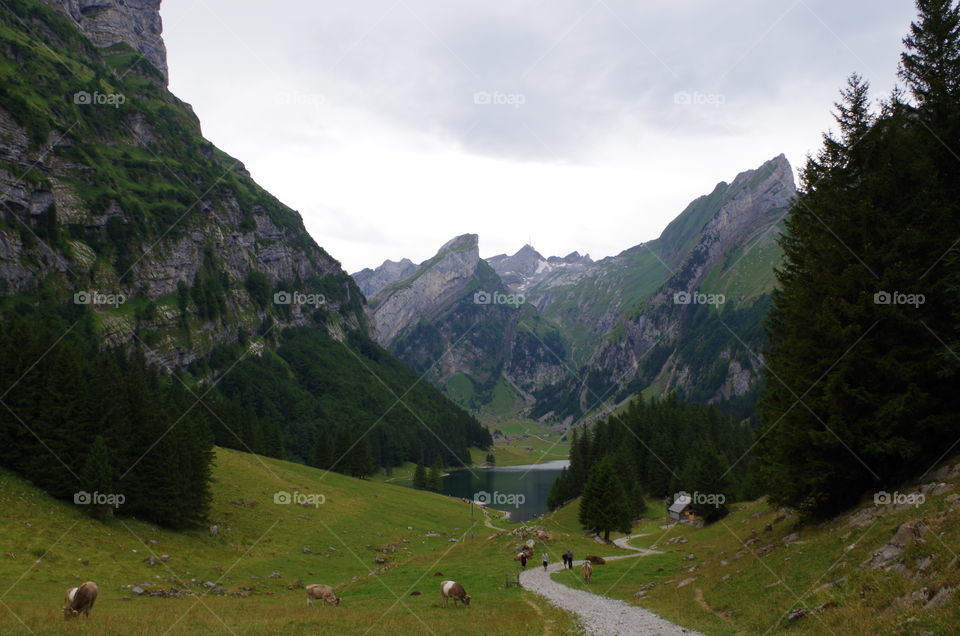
545, 560
569, 560
523, 560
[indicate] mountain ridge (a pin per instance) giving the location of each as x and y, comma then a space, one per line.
607, 317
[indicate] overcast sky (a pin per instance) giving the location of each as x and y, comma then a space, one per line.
394, 125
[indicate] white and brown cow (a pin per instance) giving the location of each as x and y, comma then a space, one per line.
323, 593
452, 589
80, 599
587, 570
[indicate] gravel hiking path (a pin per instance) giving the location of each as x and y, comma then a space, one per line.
601, 616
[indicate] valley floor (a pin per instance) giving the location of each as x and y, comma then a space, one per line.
880, 569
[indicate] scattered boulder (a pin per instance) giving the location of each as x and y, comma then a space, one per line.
274, 575
214, 530
797, 614
138, 590
940, 598
906, 535
686, 582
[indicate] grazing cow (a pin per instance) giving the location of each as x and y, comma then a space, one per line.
587, 570
452, 589
80, 599
595, 560
323, 593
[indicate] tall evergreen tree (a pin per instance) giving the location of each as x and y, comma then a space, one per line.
420, 477
604, 505
856, 396
435, 478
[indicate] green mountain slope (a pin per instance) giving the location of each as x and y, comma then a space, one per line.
122, 228
205, 583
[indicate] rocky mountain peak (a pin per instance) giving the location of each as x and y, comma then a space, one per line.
109, 22
371, 281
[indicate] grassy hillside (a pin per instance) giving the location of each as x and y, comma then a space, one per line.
47, 545
747, 573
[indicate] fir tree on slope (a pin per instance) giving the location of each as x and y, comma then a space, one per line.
857, 395
604, 506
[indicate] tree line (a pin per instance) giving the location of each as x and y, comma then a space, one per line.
655, 448
862, 362
101, 428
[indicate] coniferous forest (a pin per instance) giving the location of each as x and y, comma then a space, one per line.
861, 375
123, 425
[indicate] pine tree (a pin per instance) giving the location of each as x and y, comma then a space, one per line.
604, 505
931, 64
420, 477
855, 396
435, 479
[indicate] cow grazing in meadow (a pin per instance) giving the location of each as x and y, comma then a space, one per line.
587, 570
323, 593
452, 589
80, 600
596, 560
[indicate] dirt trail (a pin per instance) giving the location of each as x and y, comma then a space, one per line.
601, 616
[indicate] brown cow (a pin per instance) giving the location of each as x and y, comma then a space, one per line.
587, 570
323, 593
452, 589
596, 560
80, 599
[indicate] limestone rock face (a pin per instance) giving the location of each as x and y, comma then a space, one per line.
435, 283
109, 22
370, 281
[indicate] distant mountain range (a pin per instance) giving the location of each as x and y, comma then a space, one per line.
563, 337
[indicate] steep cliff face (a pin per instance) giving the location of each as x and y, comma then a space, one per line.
371, 281
694, 319
118, 217
109, 22
454, 319
432, 287
107, 188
